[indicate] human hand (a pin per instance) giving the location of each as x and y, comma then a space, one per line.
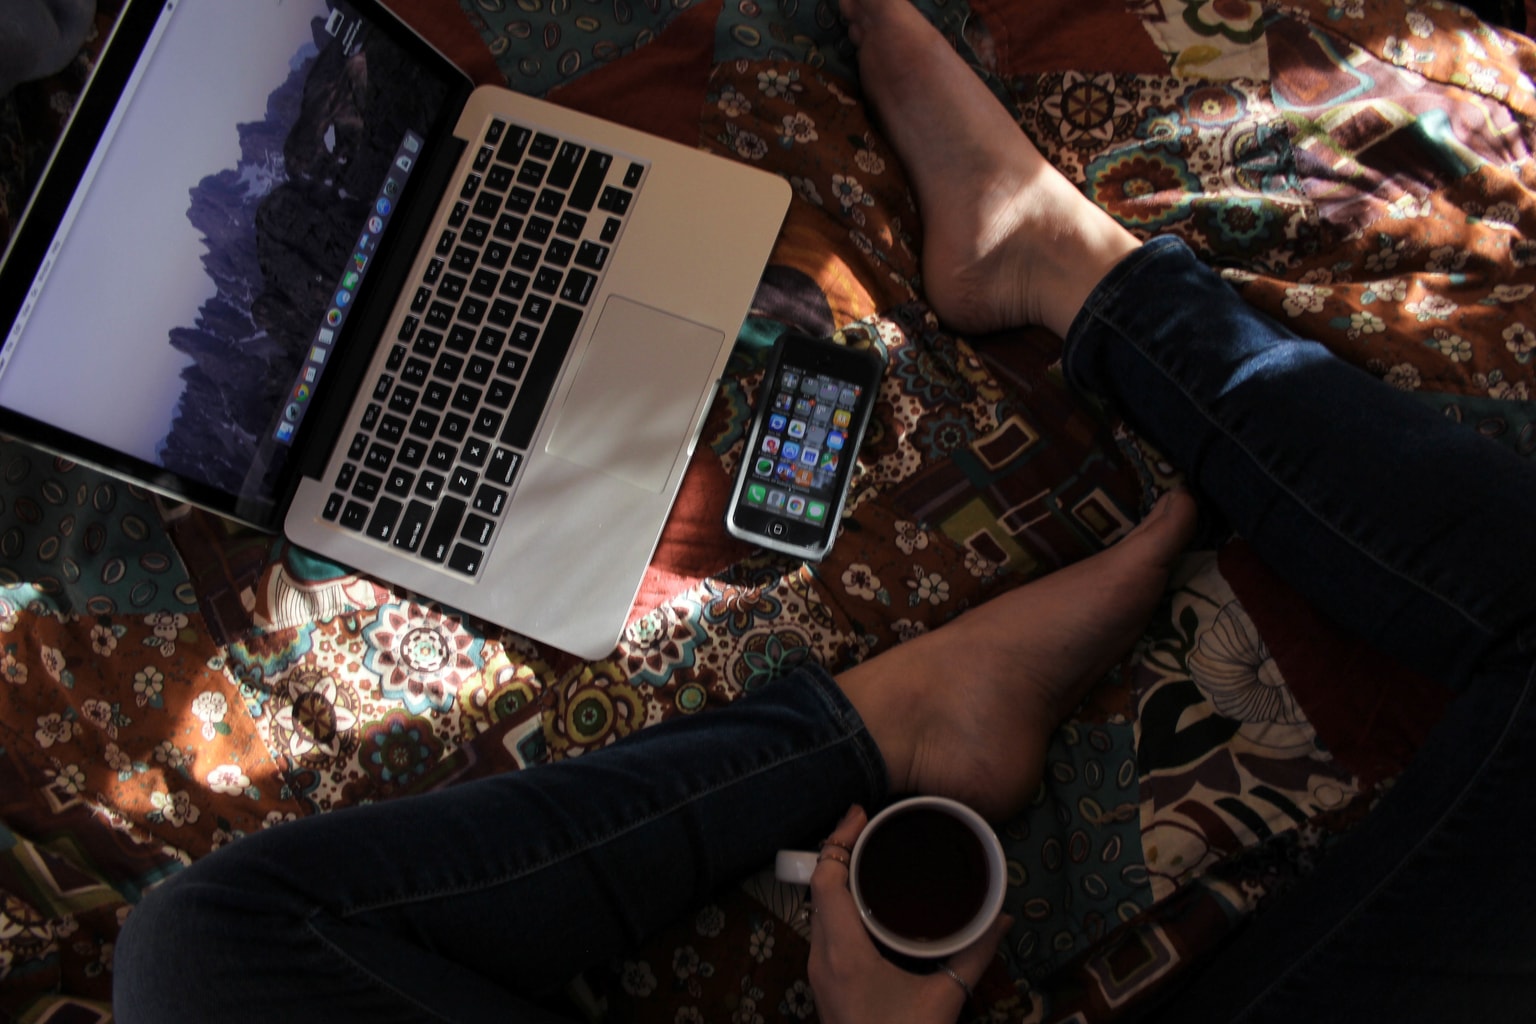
853, 983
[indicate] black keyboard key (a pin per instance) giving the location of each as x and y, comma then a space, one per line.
520, 200
460, 211
436, 395
451, 287
446, 240
354, 516
543, 147
541, 376
477, 530
430, 485
434, 268
333, 506
421, 300
477, 231
439, 316
464, 259
496, 254
399, 482
358, 448
378, 458
344, 476
566, 164
487, 422
571, 225
610, 230
579, 286
413, 526
513, 284
455, 427
465, 399
615, 200
524, 337
513, 144
371, 415
547, 280
632, 176
424, 425
531, 174
494, 130
470, 186
426, 344
593, 170
498, 178
385, 514
416, 371
490, 500
461, 338
488, 205
449, 366
498, 394
526, 257
402, 401
465, 559
560, 252
536, 308
483, 157
508, 227
408, 328
485, 282
445, 527
503, 467
391, 429
472, 310
512, 364
537, 230
490, 340
502, 314
478, 370
366, 486
476, 451
443, 456
592, 256
550, 202
411, 452
463, 481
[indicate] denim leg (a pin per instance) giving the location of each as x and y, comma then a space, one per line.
1413, 532
452, 905
1408, 529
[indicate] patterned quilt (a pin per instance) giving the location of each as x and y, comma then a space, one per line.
1362, 171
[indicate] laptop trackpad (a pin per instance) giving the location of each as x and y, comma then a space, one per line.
631, 408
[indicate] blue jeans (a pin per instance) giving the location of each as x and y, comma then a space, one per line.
1417, 535
399, 911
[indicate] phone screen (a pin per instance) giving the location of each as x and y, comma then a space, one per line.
813, 406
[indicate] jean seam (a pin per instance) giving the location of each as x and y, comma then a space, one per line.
372, 977
1091, 312
850, 732
1305, 960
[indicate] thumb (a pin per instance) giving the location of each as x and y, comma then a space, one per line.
972, 961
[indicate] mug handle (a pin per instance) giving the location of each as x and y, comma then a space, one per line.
794, 866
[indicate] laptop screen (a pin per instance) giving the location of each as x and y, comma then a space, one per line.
194, 291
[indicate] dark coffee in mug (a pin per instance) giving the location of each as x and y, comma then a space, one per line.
923, 874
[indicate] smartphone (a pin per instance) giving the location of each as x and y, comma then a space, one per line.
812, 409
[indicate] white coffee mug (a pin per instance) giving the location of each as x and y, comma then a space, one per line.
892, 870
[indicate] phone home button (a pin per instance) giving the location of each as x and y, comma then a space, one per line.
777, 529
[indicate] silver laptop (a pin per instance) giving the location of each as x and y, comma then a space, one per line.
289, 265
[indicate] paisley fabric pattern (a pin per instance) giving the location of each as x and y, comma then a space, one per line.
170, 682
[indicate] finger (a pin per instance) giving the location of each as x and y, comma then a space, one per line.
972, 961
836, 917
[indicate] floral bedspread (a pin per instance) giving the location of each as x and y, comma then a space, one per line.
1363, 172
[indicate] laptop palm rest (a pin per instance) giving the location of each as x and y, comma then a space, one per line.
636, 394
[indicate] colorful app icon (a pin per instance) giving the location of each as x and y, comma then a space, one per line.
757, 494
828, 392
777, 423
343, 297
795, 506
301, 393
805, 477
285, 432
810, 456
392, 187
789, 380
849, 397
317, 355
333, 318
785, 472
771, 445
404, 163
803, 408
360, 261
782, 401
836, 439
311, 374
776, 499
376, 224
412, 144
383, 206
292, 413
829, 461
349, 280
326, 337
791, 450
816, 511
841, 418
763, 467
797, 428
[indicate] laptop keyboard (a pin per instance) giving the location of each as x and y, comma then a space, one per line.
432, 466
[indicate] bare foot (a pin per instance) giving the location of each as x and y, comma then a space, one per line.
967, 710
1008, 241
